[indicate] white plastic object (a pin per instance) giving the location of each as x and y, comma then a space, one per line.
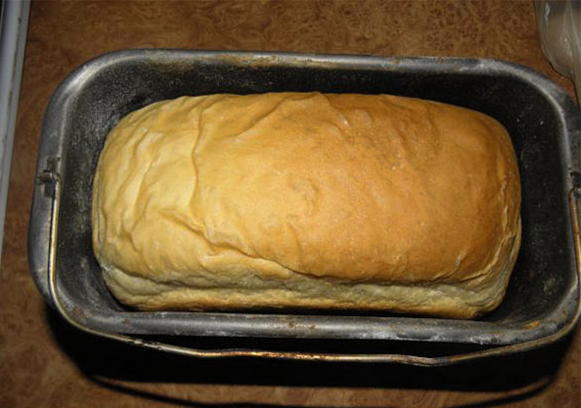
559, 24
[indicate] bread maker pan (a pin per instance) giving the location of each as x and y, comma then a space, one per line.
542, 300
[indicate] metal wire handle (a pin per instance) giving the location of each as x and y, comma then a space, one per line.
50, 176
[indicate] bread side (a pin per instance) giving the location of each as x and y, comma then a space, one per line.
307, 200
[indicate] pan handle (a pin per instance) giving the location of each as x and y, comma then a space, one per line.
53, 178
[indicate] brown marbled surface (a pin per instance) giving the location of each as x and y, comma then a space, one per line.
46, 363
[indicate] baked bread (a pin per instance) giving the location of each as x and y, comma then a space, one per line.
307, 200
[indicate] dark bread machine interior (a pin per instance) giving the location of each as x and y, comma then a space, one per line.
537, 286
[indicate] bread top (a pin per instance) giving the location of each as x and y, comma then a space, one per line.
372, 188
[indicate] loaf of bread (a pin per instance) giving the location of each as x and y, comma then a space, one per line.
307, 200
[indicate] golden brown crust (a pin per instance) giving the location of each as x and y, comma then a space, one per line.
228, 201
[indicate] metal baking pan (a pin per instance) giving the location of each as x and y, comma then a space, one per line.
542, 301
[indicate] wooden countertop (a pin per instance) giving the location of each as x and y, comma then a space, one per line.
46, 363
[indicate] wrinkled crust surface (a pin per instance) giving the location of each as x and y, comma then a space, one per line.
307, 200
